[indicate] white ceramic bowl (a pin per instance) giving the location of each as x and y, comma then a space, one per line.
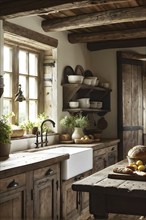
93, 104
74, 104
75, 79
87, 81
84, 102
93, 80
99, 105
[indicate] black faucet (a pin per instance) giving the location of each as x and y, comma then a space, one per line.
53, 123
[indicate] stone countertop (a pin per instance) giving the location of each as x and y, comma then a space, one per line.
107, 142
36, 158
26, 161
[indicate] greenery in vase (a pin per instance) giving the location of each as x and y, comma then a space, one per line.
73, 121
5, 129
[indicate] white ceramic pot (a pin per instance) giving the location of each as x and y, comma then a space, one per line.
84, 102
78, 133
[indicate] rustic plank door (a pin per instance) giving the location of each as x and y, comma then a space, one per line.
130, 101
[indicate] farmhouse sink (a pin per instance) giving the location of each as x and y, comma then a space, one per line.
80, 160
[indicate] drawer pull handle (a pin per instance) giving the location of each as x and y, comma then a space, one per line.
13, 184
49, 172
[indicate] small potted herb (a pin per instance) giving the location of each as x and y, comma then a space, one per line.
76, 122
5, 136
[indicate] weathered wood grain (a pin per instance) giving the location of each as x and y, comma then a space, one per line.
95, 19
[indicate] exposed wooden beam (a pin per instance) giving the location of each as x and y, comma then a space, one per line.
19, 32
116, 44
106, 36
14, 8
96, 19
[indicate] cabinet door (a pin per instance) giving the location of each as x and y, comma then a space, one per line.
69, 201
99, 160
46, 194
12, 198
112, 155
75, 205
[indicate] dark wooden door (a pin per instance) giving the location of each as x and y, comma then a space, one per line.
130, 101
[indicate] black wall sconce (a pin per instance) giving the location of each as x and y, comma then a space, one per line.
19, 97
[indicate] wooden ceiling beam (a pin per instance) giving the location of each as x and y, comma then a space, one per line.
18, 32
12, 9
96, 19
116, 44
106, 36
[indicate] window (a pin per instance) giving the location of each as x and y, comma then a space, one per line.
21, 67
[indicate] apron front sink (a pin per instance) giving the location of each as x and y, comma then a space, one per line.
80, 161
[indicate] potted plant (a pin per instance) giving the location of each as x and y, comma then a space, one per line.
27, 126
75, 122
5, 133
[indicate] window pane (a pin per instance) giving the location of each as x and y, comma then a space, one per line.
23, 64
7, 106
7, 85
32, 88
32, 110
33, 64
7, 59
22, 112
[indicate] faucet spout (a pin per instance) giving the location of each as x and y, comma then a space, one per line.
47, 120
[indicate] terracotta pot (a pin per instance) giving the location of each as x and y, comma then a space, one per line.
4, 150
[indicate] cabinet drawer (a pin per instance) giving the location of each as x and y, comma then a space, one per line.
99, 152
12, 182
46, 171
112, 148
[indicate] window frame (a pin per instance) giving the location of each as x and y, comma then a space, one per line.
15, 47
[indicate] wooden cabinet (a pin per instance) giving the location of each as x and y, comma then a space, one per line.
13, 197
73, 92
112, 155
74, 204
99, 159
47, 193
104, 157
31, 195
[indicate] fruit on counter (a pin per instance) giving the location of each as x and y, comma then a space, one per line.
139, 162
141, 168
65, 137
87, 137
137, 165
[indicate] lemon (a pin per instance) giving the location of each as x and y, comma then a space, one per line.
135, 166
132, 163
141, 167
139, 162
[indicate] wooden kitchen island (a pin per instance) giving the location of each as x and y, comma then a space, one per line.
108, 195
